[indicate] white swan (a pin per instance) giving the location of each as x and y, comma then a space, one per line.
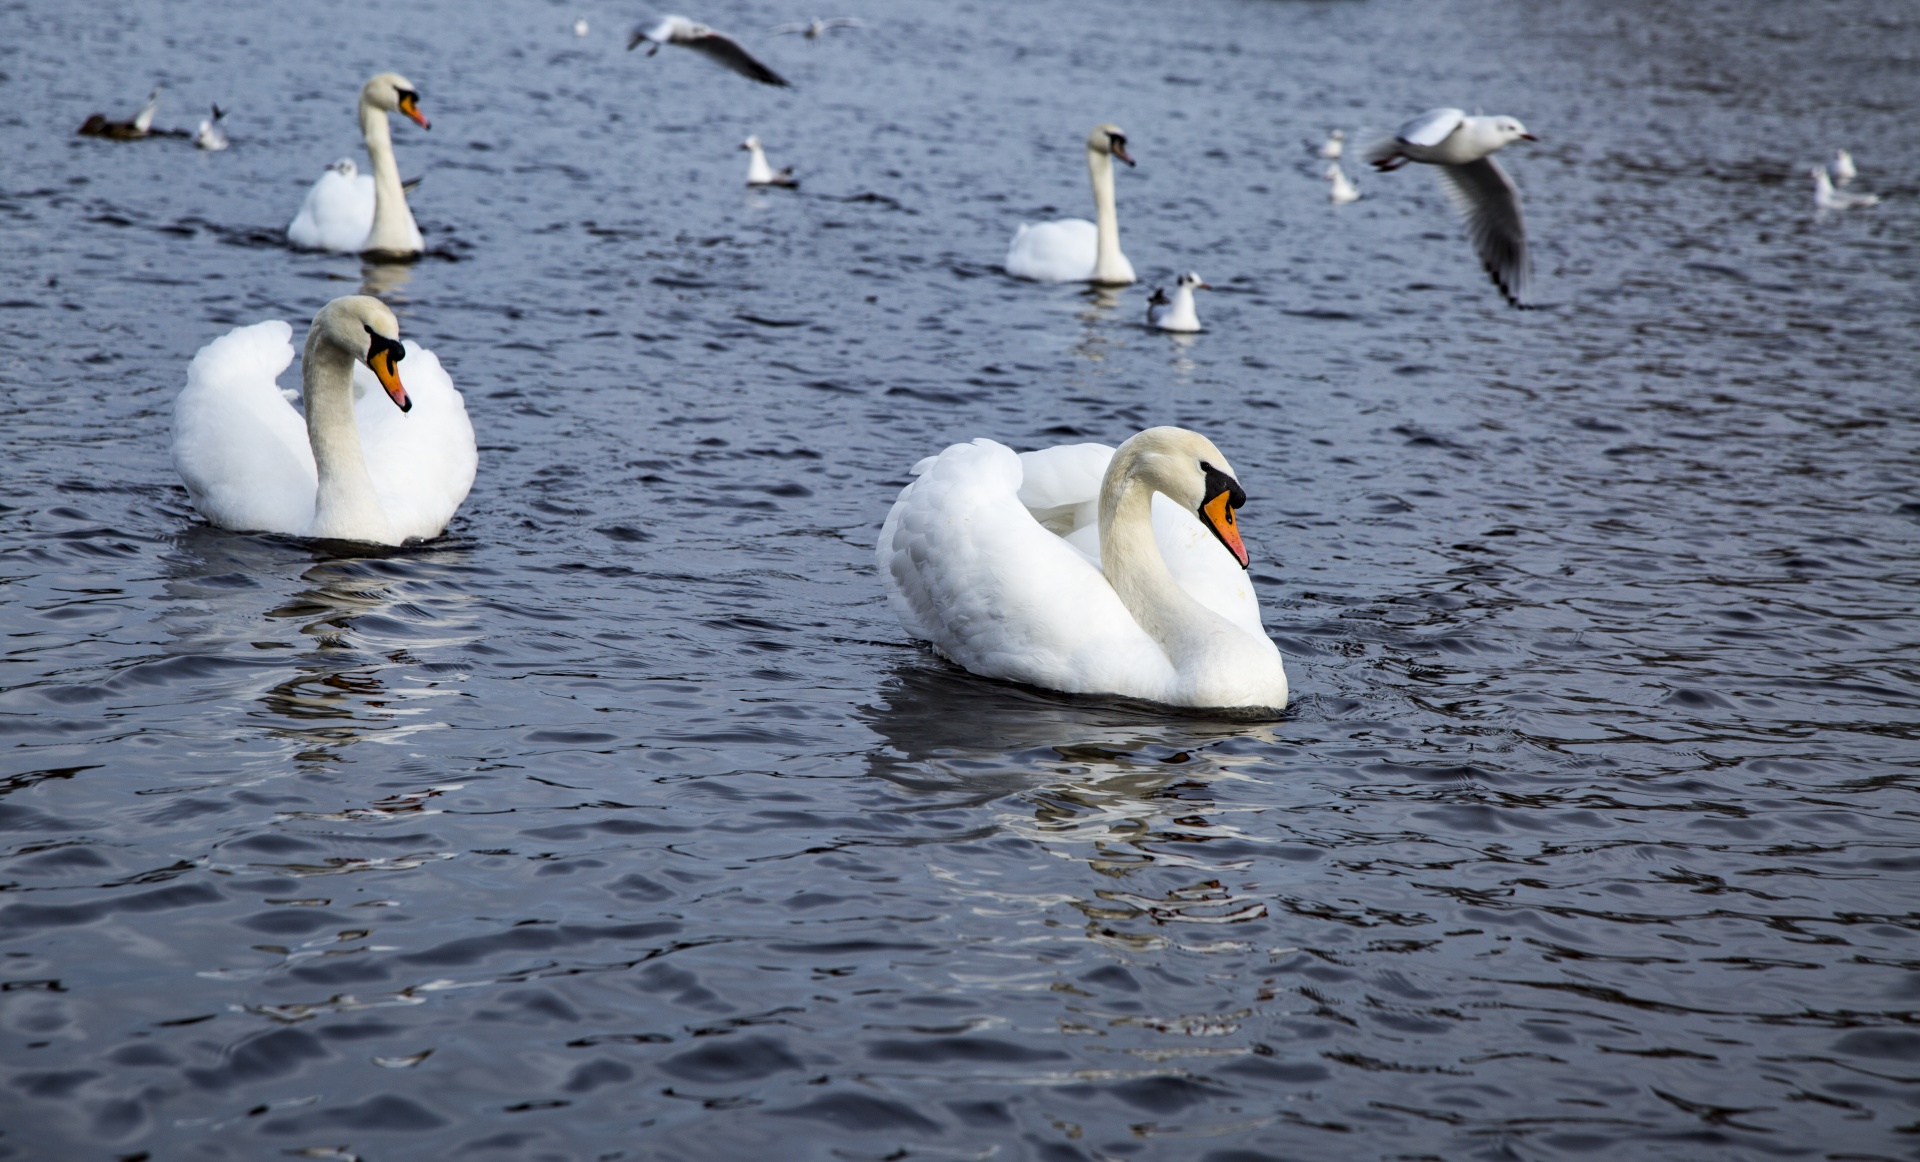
357, 468
759, 173
365, 214
1074, 249
1085, 569
1176, 313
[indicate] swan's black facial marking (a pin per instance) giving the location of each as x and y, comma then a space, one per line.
382, 354
1117, 145
1223, 494
409, 103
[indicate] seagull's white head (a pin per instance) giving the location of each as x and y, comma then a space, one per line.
751, 143
1511, 130
1192, 280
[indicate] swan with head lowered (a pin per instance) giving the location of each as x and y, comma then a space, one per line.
1074, 249
352, 213
1085, 569
372, 460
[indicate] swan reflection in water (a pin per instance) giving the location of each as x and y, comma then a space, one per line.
385, 280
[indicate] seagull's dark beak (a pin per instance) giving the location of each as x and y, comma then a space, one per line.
1528, 137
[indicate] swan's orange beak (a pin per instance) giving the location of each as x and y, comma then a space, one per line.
1218, 513
410, 105
382, 354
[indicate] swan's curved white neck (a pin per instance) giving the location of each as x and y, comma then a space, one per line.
1109, 264
1187, 631
345, 506
394, 231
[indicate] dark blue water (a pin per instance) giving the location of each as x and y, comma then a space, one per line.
624, 822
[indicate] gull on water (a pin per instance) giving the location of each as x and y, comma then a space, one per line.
816, 28
210, 136
716, 47
1842, 166
1463, 147
1334, 145
580, 27
1340, 190
759, 173
1176, 313
140, 125
1825, 197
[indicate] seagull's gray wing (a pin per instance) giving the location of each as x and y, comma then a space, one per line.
726, 51
1432, 127
1487, 199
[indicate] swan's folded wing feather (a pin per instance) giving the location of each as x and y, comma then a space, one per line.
1487, 199
422, 462
1001, 595
237, 443
1065, 250
337, 214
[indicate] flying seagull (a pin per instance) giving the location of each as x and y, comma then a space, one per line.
1463, 147
719, 48
816, 28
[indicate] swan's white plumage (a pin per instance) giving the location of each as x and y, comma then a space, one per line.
1060, 251
338, 212
993, 557
244, 454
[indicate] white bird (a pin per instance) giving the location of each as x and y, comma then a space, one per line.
580, 27
1176, 313
357, 467
716, 47
1463, 147
138, 126
759, 173
1085, 569
1825, 197
346, 213
1340, 189
210, 136
1335, 145
816, 28
1843, 169
1074, 249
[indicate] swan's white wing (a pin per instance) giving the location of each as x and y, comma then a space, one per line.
1486, 198
237, 442
969, 569
1061, 251
1431, 128
422, 462
337, 215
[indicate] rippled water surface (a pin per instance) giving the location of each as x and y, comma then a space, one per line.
624, 822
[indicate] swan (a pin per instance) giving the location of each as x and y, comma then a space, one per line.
365, 214
1085, 569
1074, 249
1340, 189
1176, 313
358, 467
759, 173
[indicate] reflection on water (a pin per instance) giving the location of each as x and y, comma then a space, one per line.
386, 280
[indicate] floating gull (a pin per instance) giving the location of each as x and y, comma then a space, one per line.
816, 28
580, 27
1825, 197
1481, 191
210, 136
1341, 191
1842, 166
1335, 145
1176, 313
139, 126
759, 173
714, 46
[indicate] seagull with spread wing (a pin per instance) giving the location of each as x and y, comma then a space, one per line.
716, 47
1463, 148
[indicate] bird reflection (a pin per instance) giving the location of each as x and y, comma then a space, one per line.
1100, 301
384, 280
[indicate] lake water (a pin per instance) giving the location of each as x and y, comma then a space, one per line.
623, 821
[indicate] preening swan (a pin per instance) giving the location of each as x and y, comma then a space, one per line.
365, 464
365, 214
1074, 249
1085, 569
1176, 313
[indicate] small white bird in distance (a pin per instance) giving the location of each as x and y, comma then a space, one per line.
816, 28
580, 27
759, 173
1462, 148
1825, 197
1842, 165
1176, 313
716, 47
210, 136
1335, 145
1340, 190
